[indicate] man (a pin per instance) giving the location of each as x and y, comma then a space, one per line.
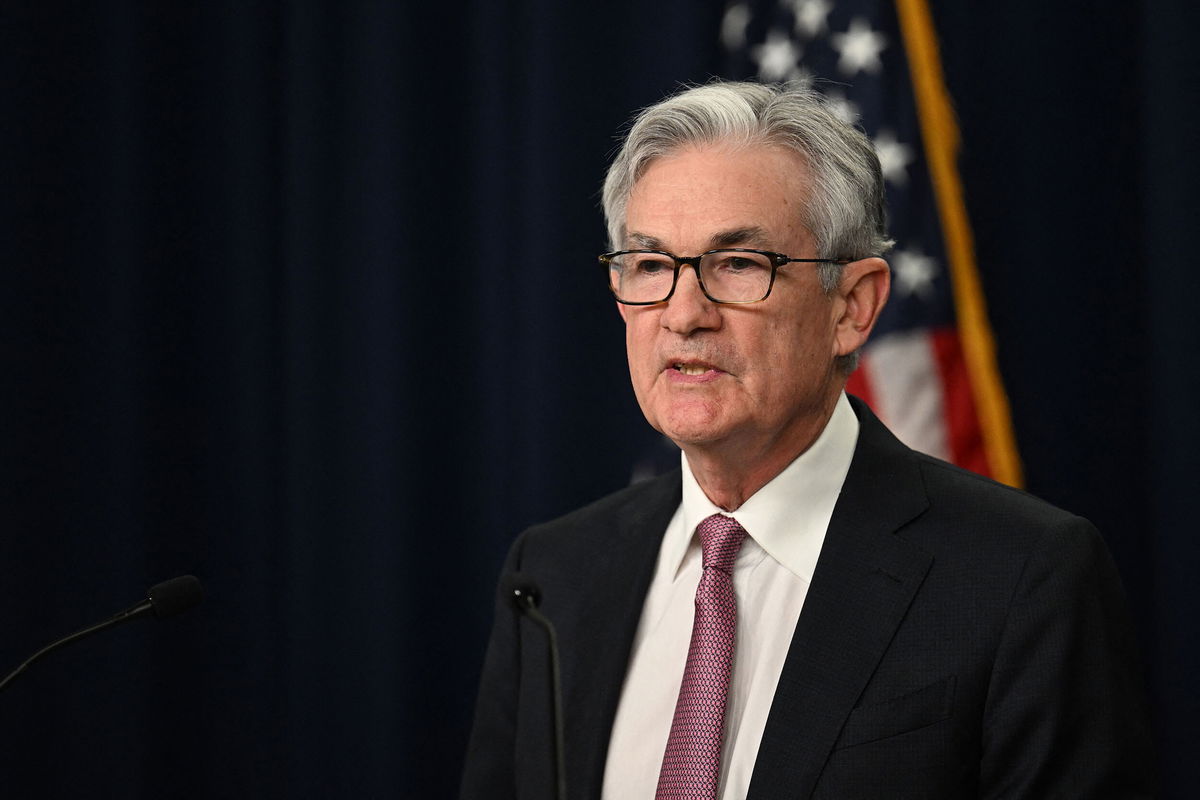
807, 608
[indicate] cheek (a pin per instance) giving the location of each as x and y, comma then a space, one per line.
794, 354
792, 341
639, 347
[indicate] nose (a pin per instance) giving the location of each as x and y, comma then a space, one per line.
689, 310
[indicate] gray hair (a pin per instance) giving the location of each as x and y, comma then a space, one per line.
845, 210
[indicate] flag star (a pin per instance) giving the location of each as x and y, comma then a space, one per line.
733, 26
778, 57
894, 157
915, 272
843, 107
810, 15
859, 48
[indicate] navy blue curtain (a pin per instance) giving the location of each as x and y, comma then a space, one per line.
302, 299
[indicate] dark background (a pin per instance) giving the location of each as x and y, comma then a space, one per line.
302, 299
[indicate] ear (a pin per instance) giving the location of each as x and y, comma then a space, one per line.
863, 291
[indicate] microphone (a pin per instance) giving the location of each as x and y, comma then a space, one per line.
165, 599
527, 595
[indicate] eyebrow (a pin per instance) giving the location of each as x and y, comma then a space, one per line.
752, 236
741, 236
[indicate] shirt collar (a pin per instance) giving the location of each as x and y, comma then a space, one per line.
788, 516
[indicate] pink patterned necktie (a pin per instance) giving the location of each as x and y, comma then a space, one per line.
692, 762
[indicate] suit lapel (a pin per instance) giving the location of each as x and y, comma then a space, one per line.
623, 551
865, 579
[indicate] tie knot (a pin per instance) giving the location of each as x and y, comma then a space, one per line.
721, 537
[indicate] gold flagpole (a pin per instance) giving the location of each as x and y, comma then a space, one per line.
939, 129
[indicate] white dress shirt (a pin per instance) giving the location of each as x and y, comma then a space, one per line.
786, 521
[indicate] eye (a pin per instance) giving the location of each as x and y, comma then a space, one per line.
648, 264
739, 263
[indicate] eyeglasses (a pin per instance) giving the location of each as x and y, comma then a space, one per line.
735, 275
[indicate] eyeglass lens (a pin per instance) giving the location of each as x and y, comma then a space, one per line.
728, 276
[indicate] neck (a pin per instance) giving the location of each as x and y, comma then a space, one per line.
730, 473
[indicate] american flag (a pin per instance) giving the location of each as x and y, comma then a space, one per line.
929, 371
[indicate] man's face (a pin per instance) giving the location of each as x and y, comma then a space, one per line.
759, 377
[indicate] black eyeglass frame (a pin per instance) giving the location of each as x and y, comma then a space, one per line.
777, 260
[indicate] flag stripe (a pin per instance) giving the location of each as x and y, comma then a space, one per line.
908, 391
941, 138
966, 440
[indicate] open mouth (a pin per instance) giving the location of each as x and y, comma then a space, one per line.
694, 369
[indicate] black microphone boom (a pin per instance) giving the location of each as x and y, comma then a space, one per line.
165, 599
526, 595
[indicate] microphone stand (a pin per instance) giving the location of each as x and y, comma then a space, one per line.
526, 598
163, 600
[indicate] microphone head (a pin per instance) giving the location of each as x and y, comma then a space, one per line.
175, 596
523, 590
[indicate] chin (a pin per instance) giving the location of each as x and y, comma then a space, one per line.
691, 431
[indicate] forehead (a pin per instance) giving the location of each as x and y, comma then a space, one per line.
692, 195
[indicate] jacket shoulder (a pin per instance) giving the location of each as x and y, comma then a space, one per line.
939, 499
628, 506
950, 485
630, 519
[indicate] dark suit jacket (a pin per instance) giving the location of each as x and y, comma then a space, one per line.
959, 639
